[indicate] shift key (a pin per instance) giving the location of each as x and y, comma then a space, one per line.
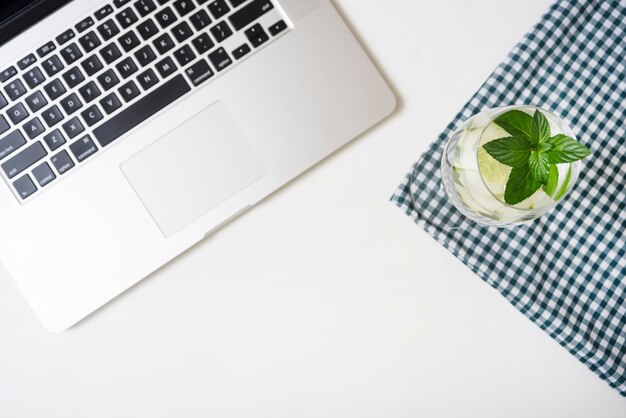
24, 159
249, 13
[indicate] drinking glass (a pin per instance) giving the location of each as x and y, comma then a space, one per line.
475, 182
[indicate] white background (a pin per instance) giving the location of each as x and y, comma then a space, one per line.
325, 300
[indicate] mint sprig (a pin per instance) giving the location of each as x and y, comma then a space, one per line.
532, 153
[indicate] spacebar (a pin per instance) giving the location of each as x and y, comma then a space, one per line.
142, 110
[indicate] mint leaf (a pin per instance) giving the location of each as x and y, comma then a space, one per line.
553, 181
521, 185
515, 122
539, 166
540, 129
513, 151
564, 149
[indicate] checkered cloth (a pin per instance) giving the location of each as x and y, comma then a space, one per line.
565, 271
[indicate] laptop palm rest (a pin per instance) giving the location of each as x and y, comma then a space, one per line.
193, 169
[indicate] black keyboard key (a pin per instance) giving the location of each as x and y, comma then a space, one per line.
3, 101
184, 7
166, 67
165, 17
33, 128
184, 55
89, 41
108, 29
71, 104
126, 17
27, 61
249, 13
203, 43
162, 2
145, 7
200, 20
36, 101
43, 174
15, 89
71, 53
92, 65
52, 65
129, 91
242, 51
108, 79
4, 125
138, 112
110, 53
62, 162
220, 59
73, 127
221, 31
145, 55
10, 143
24, 159
24, 187
182, 31
7, 74
65, 36
147, 29
34, 77
236, 3
110, 103
17, 113
129, 41
73, 77
54, 139
256, 35
46, 49
84, 24
89, 92
54, 89
52, 116
278, 27
104, 12
120, 3
92, 115
163, 43
218, 8
83, 148
199, 72
126, 67
147, 79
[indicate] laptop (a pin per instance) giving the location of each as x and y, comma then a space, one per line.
132, 129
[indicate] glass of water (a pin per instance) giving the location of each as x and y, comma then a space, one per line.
475, 181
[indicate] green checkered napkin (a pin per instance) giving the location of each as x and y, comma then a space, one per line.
566, 271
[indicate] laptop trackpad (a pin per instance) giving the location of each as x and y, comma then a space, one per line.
193, 169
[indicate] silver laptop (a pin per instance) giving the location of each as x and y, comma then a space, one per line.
132, 129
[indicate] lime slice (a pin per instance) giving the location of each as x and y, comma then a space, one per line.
553, 181
494, 174
563, 188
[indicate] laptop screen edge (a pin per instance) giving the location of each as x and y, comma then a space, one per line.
26, 17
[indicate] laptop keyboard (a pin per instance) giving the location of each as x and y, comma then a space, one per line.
79, 93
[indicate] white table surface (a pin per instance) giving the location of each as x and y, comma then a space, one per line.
325, 300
